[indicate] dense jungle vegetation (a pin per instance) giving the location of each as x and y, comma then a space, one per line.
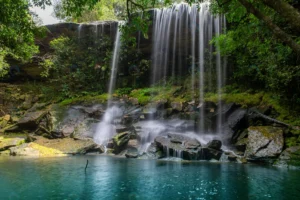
261, 42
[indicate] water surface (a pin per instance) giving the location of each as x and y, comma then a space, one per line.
119, 178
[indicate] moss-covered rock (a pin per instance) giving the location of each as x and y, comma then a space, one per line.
264, 142
120, 141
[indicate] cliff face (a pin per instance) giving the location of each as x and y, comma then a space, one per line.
81, 31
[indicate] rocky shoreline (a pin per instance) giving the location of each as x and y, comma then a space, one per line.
161, 129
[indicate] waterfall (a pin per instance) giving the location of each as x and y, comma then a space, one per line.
79, 31
106, 128
181, 47
114, 65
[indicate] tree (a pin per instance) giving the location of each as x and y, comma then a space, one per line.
17, 31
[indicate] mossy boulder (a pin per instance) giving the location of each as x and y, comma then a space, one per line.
264, 142
120, 141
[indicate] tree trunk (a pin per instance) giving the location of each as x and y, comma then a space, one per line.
288, 12
278, 32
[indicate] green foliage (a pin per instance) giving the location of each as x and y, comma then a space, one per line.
101, 10
123, 91
17, 32
3, 64
85, 99
79, 64
261, 61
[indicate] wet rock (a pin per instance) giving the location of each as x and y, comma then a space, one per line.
241, 144
127, 120
289, 158
206, 153
214, 144
132, 153
67, 130
121, 128
36, 107
178, 146
232, 157
94, 112
6, 143
133, 143
120, 141
154, 152
31, 119
133, 101
177, 106
264, 142
57, 134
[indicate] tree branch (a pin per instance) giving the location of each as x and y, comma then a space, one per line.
288, 12
278, 32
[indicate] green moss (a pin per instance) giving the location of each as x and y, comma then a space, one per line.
266, 131
249, 99
244, 99
291, 141
169, 93
85, 99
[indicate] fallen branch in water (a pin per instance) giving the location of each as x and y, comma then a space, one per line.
87, 163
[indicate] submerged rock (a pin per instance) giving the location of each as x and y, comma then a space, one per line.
264, 142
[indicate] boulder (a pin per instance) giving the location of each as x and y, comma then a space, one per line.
264, 142
121, 128
178, 146
133, 101
120, 141
241, 144
67, 130
154, 152
289, 158
31, 119
206, 153
214, 144
132, 153
177, 106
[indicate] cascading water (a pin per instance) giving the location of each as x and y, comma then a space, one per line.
106, 128
181, 46
197, 26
